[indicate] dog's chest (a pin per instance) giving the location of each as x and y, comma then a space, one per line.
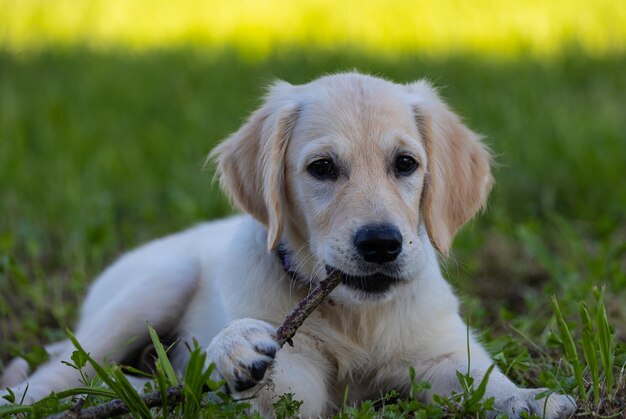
366, 354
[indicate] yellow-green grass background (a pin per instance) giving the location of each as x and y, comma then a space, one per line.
257, 26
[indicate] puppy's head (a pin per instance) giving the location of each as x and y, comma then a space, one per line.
346, 169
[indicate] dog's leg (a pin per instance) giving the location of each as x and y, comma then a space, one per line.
303, 372
15, 373
17, 370
247, 356
119, 326
450, 354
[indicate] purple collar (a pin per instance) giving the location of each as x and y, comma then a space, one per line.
286, 259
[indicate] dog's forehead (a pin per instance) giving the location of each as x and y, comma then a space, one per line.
352, 105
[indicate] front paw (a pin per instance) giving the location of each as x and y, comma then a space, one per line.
243, 352
525, 401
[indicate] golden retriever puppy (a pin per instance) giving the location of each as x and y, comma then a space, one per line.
348, 172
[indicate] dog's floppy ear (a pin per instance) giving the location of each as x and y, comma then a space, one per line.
458, 177
250, 162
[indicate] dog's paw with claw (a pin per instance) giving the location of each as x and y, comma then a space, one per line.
553, 406
243, 353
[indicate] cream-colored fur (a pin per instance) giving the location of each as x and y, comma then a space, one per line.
222, 284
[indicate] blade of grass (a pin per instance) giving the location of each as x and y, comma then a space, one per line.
108, 380
162, 359
195, 378
117, 382
589, 350
473, 403
91, 391
569, 346
14, 410
604, 340
132, 397
162, 383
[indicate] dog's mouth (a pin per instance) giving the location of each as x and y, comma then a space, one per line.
377, 283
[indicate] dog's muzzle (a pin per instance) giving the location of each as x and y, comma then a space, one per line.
377, 283
373, 284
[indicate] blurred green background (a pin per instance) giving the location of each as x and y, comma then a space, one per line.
108, 109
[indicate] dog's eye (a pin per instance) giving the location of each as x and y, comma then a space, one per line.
405, 165
323, 169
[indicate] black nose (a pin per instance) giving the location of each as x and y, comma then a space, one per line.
378, 243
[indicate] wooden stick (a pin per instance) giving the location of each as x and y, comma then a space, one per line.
314, 298
284, 334
117, 407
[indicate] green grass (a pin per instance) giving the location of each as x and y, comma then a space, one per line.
101, 150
